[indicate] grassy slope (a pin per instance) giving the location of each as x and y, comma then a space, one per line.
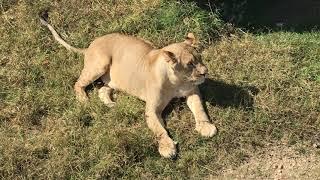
263, 89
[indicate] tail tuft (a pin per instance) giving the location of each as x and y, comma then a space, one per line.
44, 15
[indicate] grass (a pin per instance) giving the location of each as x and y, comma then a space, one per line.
263, 89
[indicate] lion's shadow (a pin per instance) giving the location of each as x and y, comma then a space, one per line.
221, 94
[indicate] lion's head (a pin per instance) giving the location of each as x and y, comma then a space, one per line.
185, 62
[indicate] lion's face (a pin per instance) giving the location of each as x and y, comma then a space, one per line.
186, 63
189, 68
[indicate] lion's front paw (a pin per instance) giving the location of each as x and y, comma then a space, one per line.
167, 148
206, 129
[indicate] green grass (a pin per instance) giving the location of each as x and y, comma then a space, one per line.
263, 89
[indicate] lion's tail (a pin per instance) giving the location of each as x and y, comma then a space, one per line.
59, 39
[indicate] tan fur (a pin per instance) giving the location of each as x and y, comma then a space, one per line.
154, 75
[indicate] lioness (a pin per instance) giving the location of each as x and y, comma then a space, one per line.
154, 75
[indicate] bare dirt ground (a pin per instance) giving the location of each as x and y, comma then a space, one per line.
278, 162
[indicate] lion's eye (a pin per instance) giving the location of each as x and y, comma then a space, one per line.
190, 64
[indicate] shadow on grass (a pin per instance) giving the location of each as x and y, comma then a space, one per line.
221, 94
225, 95
265, 15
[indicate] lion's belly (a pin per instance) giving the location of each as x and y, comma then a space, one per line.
129, 82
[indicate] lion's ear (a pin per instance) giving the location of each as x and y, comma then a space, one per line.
169, 56
191, 40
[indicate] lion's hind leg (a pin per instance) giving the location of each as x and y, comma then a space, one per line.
88, 75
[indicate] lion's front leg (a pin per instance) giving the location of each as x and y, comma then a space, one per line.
167, 147
203, 125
